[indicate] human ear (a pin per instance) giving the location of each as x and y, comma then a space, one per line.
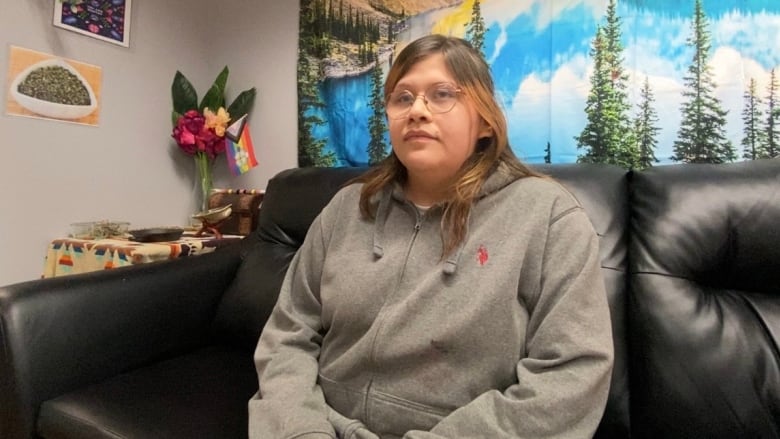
485, 130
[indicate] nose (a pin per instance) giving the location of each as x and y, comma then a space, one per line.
419, 108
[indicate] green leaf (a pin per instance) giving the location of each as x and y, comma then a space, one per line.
215, 97
242, 104
185, 97
175, 117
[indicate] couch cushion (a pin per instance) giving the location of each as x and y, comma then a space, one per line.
202, 394
704, 308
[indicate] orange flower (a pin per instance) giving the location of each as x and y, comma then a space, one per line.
218, 122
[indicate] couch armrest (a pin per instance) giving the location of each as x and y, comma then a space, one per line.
63, 333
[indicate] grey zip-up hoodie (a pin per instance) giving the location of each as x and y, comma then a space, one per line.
375, 336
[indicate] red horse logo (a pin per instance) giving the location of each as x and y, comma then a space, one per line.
482, 255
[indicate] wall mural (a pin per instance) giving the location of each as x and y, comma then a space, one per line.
631, 82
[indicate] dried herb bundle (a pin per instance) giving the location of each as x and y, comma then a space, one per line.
55, 84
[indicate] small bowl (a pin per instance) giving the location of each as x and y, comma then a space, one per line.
215, 215
156, 234
81, 230
99, 229
110, 229
48, 108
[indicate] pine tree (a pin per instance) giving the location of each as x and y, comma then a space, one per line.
475, 28
645, 128
772, 145
623, 149
608, 136
702, 134
350, 25
593, 135
310, 149
313, 28
331, 16
391, 31
377, 150
754, 139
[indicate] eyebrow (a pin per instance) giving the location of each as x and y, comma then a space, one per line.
406, 87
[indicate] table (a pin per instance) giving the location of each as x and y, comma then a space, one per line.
71, 255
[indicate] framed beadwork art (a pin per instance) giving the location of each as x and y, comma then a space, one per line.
107, 20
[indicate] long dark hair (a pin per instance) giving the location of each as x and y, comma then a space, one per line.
472, 75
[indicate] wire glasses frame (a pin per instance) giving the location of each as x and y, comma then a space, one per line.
438, 99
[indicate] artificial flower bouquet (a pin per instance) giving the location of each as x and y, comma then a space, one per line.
199, 128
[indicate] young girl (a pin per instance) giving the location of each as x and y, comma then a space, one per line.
451, 292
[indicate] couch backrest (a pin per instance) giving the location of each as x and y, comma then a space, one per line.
294, 197
292, 200
704, 308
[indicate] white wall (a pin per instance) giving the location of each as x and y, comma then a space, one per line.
128, 168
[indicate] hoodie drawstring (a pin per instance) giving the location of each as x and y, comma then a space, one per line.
382, 212
450, 264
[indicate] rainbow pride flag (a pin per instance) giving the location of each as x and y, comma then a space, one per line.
240, 150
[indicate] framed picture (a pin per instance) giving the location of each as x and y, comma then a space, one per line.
45, 86
107, 20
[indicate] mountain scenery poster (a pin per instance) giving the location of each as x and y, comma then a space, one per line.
632, 82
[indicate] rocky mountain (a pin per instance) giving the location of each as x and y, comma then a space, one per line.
409, 7
343, 59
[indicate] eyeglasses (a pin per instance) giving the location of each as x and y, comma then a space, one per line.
438, 99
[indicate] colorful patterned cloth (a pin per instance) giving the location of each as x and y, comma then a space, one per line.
71, 255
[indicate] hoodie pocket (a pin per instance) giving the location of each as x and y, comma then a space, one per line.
388, 415
343, 399
396, 415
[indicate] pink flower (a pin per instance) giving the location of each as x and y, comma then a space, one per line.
188, 125
193, 121
193, 136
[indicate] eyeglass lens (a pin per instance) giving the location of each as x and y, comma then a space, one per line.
438, 99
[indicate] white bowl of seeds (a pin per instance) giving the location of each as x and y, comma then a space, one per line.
53, 88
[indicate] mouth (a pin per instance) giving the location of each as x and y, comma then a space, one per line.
417, 135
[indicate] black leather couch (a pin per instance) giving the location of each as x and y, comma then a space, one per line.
691, 258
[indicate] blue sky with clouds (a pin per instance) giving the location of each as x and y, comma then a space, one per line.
538, 50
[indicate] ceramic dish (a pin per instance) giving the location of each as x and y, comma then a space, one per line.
53, 109
214, 215
156, 234
99, 229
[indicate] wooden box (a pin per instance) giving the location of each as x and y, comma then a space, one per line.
245, 205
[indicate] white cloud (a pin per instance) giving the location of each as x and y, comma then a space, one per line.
732, 72
646, 53
727, 67
562, 98
552, 10
500, 42
755, 35
503, 12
